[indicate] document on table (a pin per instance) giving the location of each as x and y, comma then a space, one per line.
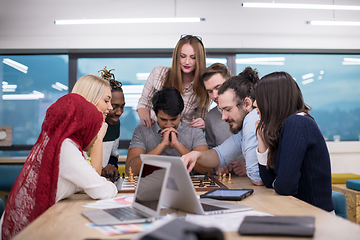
111, 203
228, 222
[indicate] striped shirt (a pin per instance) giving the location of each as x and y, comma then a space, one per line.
155, 82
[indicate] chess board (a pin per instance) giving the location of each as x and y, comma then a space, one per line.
124, 186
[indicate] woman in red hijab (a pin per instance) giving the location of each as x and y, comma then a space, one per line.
56, 168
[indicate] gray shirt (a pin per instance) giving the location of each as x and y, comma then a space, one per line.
149, 138
217, 131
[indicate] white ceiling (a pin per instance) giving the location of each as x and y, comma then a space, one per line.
228, 26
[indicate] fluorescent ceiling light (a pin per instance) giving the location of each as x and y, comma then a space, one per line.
16, 65
130, 20
307, 81
261, 61
6, 87
333, 23
142, 76
56, 87
351, 61
216, 60
35, 95
62, 86
306, 76
300, 6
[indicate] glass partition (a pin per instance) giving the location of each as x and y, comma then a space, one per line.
30, 84
330, 84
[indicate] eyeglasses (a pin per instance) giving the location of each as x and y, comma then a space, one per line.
189, 37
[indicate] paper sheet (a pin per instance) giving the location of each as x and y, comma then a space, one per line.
228, 222
111, 203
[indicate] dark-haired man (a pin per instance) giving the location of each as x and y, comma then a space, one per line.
236, 97
169, 136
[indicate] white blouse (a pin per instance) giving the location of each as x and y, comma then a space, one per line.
76, 174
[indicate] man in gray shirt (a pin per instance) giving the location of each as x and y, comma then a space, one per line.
217, 130
168, 136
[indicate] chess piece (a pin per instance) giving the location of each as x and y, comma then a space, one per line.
230, 181
206, 178
220, 178
131, 175
123, 175
201, 183
212, 183
224, 177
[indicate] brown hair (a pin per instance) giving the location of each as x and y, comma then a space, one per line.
277, 96
214, 69
173, 77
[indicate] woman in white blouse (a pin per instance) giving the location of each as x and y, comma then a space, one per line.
56, 167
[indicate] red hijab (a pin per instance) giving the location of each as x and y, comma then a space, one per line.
34, 191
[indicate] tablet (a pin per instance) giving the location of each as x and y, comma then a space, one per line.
228, 194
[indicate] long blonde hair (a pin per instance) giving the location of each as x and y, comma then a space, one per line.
91, 87
173, 78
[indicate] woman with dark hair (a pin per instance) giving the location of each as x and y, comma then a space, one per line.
188, 63
292, 153
56, 167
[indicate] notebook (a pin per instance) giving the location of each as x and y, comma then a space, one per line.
148, 197
180, 193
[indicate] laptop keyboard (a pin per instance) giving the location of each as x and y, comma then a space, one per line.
125, 213
208, 208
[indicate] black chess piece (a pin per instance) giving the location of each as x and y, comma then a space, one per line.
206, 178
123, 175
212, 183
201, 183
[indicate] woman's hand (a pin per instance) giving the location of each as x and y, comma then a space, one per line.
148, 121
144, 115
198, 123
260, 136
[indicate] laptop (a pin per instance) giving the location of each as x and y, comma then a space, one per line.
180, 193
148, 197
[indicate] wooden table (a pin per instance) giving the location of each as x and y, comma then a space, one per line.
352, 201
64, 220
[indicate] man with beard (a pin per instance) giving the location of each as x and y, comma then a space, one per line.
217, 130
236, 97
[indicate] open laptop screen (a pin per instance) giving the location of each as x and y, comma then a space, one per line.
149, 187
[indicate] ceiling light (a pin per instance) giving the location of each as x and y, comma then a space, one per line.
307, 81
306, 76
130, 20
333, 23
216, 60
261, 61
351, 61
62, 86
142, 76
16, 65
35, 95
300, 6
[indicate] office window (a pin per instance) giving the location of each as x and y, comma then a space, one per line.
30, 84
133, 73
330, 84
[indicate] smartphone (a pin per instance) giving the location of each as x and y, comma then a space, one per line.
228, 194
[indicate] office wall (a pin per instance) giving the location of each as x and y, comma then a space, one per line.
345, 157
228, 26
